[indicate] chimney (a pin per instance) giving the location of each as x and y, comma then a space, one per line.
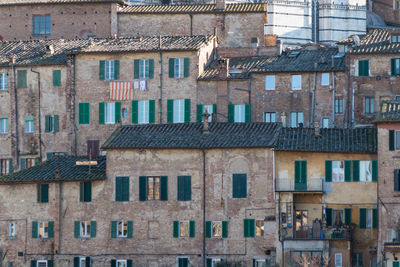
220, 4
223, 68
58, 173
316, 128
270, 39
50, 49
283, 119
13, 60
205, 122
91, 41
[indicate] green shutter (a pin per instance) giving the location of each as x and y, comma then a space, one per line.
239, 185
347, 216
393, 66
164, 188
50, 263
129, 263
56, 123
224, 229
101, 113
51, 229
130, 229
47, 123
171, 67
39, 193
208, 229
363, 68
77, 226
101, 70
21, 79
49, 155
176, 229
22, 164
136, 69
37, 161
117, 112
56, 77
116, 69
391, 140
328, 171
356, 170
76, 262
184, 185
10, 165
374, 218
231, 113
84, 115
170, 110
192, 231
187, 110
142, 188
247, 113
186, 67
246, 227
347, 171
151, 68
114, 229
122, 189
135, 111
396, 264
81, 191
93, 226
209, 263
199, 112
88, 191
113, 263
374, 171
252, 226
214, 109
33, 263
44, 193
363, 218
88, 262
152, 111
34, 229
328, 216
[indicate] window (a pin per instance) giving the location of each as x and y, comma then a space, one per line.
210, 110
3, 125
216, 229
110, 113
12, 230
29, 124
395, 66
296, 119
49, 155
82, 262
184, 229
51, 124
41, 263
368, 218
357, 259
296, 82
178, 67
239, 113
270, 82
85, 229
253, 227
3, 81
183, 262
337, 217
365, 171
109, 69
184, 188
337, 171
153, 188
338, 105
121, 229
122, 263
41, 24
214, 262
28, 162
270, 116
21, 79
143, 112
325, 123
259, 227
122, 189
6, 165
178, 111
84, 113
325, 79
43, 229
395, 38
85, 192
56, 77
368, 105
259, 263
239, 185
43, 193
363, 68
338, 259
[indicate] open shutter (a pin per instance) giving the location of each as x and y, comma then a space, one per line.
130, 229
224, 229
37, 161
247, 113
187, 110
356, 170
77, 226
209, 263
76, 262
116, 69
117, 112
252, 226
192, 229
113, 229
142, 188
186, 67
47, 123
34, 229
374, 218
39, 193
246, 227
113, 263
88, 192
81, 191
56, 123
170, 110
101, 113
164, 188
199, 113
101, 70
396, 180
135, 111
136, 69
152, 111
50, 263
93, 226
393, 66
176, 229
231, 113
328, 171
171, 67
347, 216
391, 140
129, 263
208, 229
44, 193
363, 218
22, 164
151, 68
328, 216
88, 262
347, 171
51, 229
10, 165
374, 171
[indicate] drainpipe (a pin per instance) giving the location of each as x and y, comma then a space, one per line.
313, 99
352, 104
16, 117
204, 208
191, 24
333, 99
39, 115
160, 96
60, 217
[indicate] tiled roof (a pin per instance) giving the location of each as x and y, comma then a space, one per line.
390, 112
376, 41
357, 140
193, 8
191, 136
35, 2
59, 168
146, 44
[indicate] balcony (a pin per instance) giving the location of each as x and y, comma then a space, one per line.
289, 185
316, 233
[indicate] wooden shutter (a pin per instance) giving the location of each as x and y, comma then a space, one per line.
208, 229
84, 115
21, 79
247, 116
164, 188
231, 113
176, 229
56, 123
347, 216
130, 229
37, 161
88, 262
151, 68
101, 113
50, 263
136, 69
374, 171
328, 171
152, 111
239, 185
47, 119
117, 112
33, 263
209, 262
135, 111
171, 64
113, 263
93, 226
51, 229
374, 218
356, 170
129, 263
10, 165
76, 262
77, 230
396, 180
224, 229
393, 66
391, 140
328, 212
192, 231
114, 229
44, 193
101, 70
142, 188
199, 112
122, 189
116, 69
347, 171
22, 164
246, 227
87, 191
56, 77
39, 193
186, 67
170, 110
34, 229
363, 218
187, 110
81, 191
252, 227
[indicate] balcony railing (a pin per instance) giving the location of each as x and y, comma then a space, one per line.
289, 184
316, 233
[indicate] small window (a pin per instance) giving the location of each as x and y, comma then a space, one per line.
179, 111
357, 259
363, 68
51, 123
216, 229
396, 180
240, 113
109, 113
41, 25
43, 193
296, 82
296, 119
12, 230
183, 262
3, 81
337, 218
41, 263
365, 171
338, 259
369, 218
85, 194
56, 77
395, 38
143, 112
325, 79
122, 263
325, 123
153, 188
395, 66
210, 110
144, 68
214, 262
184, 188
5, 166
239, 185
29, 128
369, 105
122, 230
270, 82
270, 116
260, 228
43, 229
338, 106
259, 263
82, 262
337, 171
3, 125
178, 67
30, 162
183, 229
122, 189
85, 229
109, 69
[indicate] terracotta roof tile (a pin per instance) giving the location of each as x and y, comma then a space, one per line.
390, 112
376, 41
36, 2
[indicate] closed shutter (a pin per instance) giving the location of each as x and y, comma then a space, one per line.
171, 64
199, 113
363, 218
44, 193
391, 140
396, 264
34, 229
246, 227
130, 229
374, 171
88, 262
116, 69
151, 68
247, 116
122, 189
249, 227
56, 77
101, 70
142, 188
328, 171
84, 116
113, 263
396, 180
224, 229
21, 79
114, 229
356, 170
187, 110
22, 164
170, 110
51, 229
88, 191
37, 161
77, 230
239, 185
56, 123
209, 263
152, 111
164, 188
117, 112
47, 119
374, 218
135, 111
176, 229
33, 263
252, 225
183, 262
10, 165
81, 191
208, 229
184, 188
186, 67
231, 113
93, 226
192, 231
76, 262
347, 171
393, 66
136, 69
328, 216
101, 113
347, 216
129, 263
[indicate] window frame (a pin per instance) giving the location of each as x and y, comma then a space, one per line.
179, 67
270, 80
188, 229
82, 261
178, 111
255, 227
3, 81
109, 70
5, 166
109, 113
297, 122
239, 114
44, 225
369, 105
155, 185
41, 261
323, 123
143, 111
210, 110
340, 174
397, 63
296, 79
338, 105
123, 222
271, 116
122, 261
368, 178
29, 124
212, 229
12, 231
3, 125
341, 260
144, 68
86, 227
325, 81
46, 19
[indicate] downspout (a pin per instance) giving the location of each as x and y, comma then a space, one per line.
39, 116
250, 97
60, 218
74, 106
333, 98
191, 24
313, 99
16, 119
352, 104
204, 208
160, 96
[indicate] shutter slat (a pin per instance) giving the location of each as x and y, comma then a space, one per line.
130, 229
363, 218
136, 69
151, 68
77, 232
356, 170
391, 140
101, 70
116, 69
208, 229
164, 188
34, 229
186, 67
50, 229
114, 229
192, 231
101, 113
231, 113
171, 67
224, 229
199, 112
152, 111
347, 171
176, 229
135, 111
93, 226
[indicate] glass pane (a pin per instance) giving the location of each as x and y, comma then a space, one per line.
398, 139
325, 123
300, 118
337, 217
296, 82
325, 79
47, 24
369, 218
216, 229
337, 171
143, 112
42, 24
150, 188
36, 24
293, 119
157, 188
270, 82
365, 171
209, 109
259, 227
179, 111
184, 229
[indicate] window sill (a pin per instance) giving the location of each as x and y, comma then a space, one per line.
4, 90
12, 237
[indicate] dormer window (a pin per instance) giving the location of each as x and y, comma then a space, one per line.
395, 38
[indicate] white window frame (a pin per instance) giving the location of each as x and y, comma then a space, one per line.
122, 263
270, 82
3, 125
338, 105
255, 227
82, 261
270, 115
179, 111
41, 261
258, 261
84, 229
296, 82
144, 112
323, 123
12, 230
144, 68
44, 226
337, 172
366, 171
325, 79
369, 105
118, 225
178, 68
239, 114
188, 227
29, 126
4, 81
338, 263
295, 124
368, 223
109, 114
109, 67
212, 224
210, 110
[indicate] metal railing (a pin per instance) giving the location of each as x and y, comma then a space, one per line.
289, 184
